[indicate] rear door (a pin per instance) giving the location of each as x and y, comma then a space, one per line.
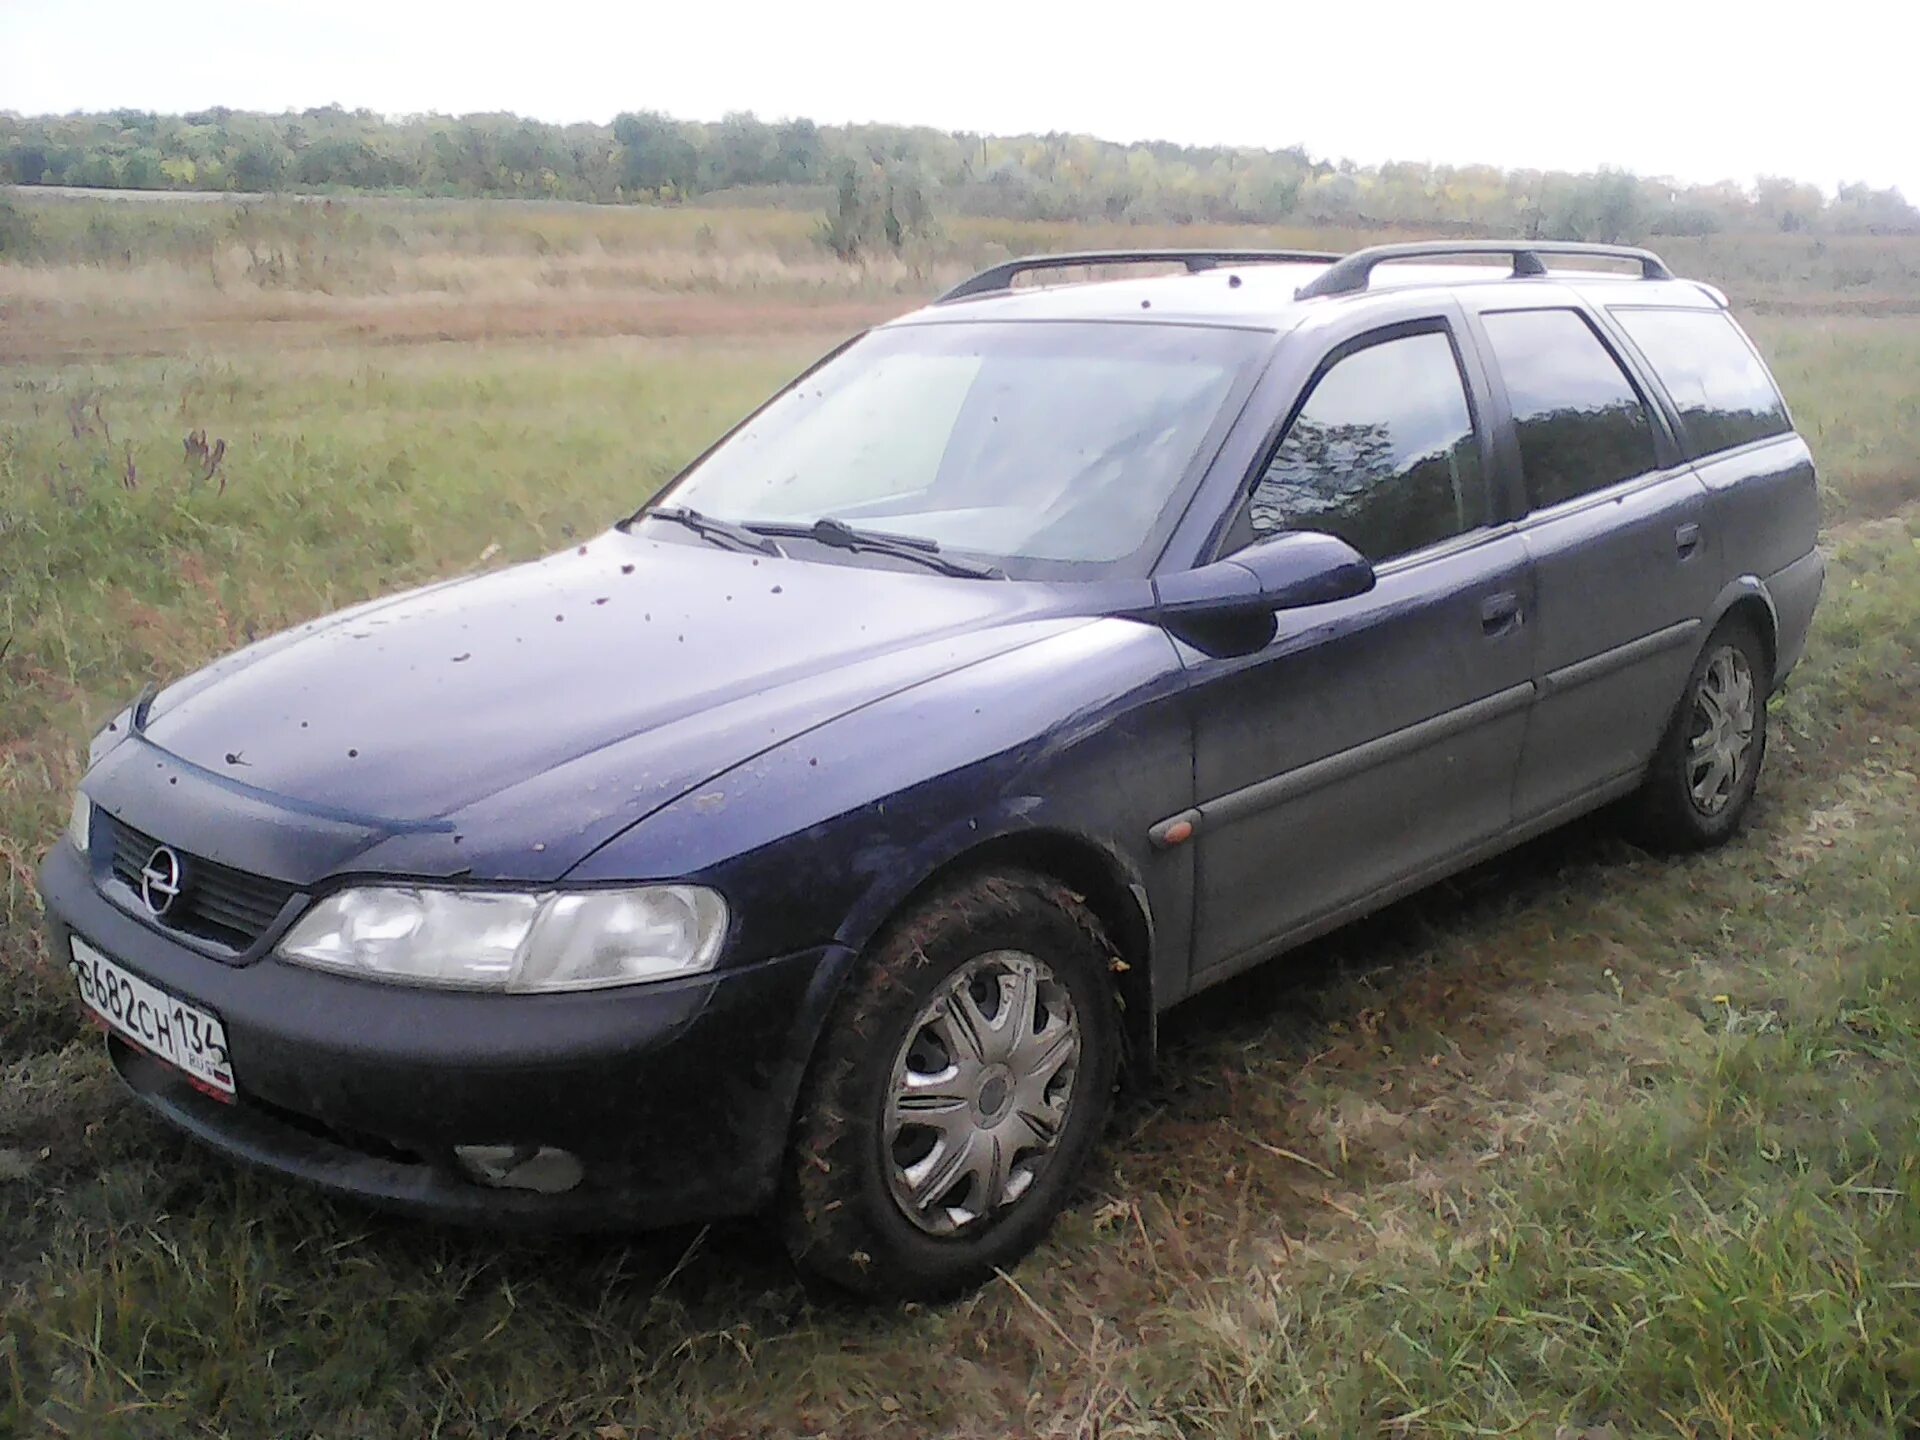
1763, 502
1372, 739
1622, 556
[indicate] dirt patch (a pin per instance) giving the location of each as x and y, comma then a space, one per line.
1874, 494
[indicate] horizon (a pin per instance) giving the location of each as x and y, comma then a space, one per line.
404, 117
1730, 110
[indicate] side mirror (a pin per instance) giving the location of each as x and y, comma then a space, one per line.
1229, 607
1301, 567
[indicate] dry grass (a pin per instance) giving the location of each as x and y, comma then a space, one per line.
154, 276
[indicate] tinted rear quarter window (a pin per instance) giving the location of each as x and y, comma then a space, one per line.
1582, 425
1382, 453
1723, 392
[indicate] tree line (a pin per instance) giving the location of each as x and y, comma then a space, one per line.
891, 180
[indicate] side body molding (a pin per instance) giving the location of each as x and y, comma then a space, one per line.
1278, 789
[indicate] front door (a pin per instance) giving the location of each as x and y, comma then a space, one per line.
1374, 738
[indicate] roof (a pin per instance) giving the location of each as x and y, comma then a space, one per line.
1259, 294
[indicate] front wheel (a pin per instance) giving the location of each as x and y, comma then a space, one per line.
1703, 775
963, 1083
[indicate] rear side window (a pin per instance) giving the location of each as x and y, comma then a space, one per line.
1581, 423
1382, 454
1723, 392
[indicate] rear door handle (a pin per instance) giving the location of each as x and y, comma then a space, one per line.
1686, 539
1500, 613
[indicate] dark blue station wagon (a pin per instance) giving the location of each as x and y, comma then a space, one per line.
825, 837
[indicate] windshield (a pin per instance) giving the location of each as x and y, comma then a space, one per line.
1059, 449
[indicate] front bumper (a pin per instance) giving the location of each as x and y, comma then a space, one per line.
676, 1098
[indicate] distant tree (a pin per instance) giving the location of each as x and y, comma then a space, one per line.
1680, 215
530, 152
740, 151
355, 163
799, 154
27, 164
656, 157
849, 225
1860, 207
1331, 199
877, 206
1606, 207
645, 155
1787, 204
260, 165
1277, 198
94, 169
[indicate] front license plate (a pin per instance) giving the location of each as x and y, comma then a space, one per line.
179, 1033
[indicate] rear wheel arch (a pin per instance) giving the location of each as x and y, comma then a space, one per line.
1746, 600
1758, 615
1662, 814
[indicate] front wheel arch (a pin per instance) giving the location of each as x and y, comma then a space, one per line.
1109, 889
839, 1208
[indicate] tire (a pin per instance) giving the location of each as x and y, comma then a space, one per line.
887, 1201
1671, 812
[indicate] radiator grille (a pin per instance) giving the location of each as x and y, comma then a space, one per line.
216, 902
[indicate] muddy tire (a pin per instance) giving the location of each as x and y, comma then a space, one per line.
1701, 782
960, 1088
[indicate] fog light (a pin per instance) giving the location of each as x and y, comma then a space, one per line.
541, 1168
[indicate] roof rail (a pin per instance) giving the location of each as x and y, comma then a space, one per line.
1001, 276
1352, 272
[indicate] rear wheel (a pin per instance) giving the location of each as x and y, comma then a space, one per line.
961, 1088
1702, 779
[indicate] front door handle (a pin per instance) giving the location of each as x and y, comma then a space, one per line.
1500, 614
1686, 539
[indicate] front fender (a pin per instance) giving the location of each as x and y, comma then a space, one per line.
1080, 736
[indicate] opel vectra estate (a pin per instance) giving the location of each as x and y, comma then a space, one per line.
824, 838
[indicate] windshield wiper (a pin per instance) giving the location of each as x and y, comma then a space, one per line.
712, 529
842, 536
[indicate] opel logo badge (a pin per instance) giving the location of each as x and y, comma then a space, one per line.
160, 882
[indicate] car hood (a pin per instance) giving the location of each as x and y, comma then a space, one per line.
508, 723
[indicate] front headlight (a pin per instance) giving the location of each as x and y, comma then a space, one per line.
80, 823
480, 940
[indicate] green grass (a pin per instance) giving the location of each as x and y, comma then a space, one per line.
1585, 1143
1851, 383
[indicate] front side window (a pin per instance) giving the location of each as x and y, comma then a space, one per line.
1055, 449
1723, 392
1382, 454
1582, 426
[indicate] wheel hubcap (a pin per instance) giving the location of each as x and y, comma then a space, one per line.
995, 1091
1720, 736
980, 1091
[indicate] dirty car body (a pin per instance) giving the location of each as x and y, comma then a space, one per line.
1229, 706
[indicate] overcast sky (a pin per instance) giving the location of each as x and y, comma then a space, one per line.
1700, 91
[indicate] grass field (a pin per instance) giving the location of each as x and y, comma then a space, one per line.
1584, 1144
